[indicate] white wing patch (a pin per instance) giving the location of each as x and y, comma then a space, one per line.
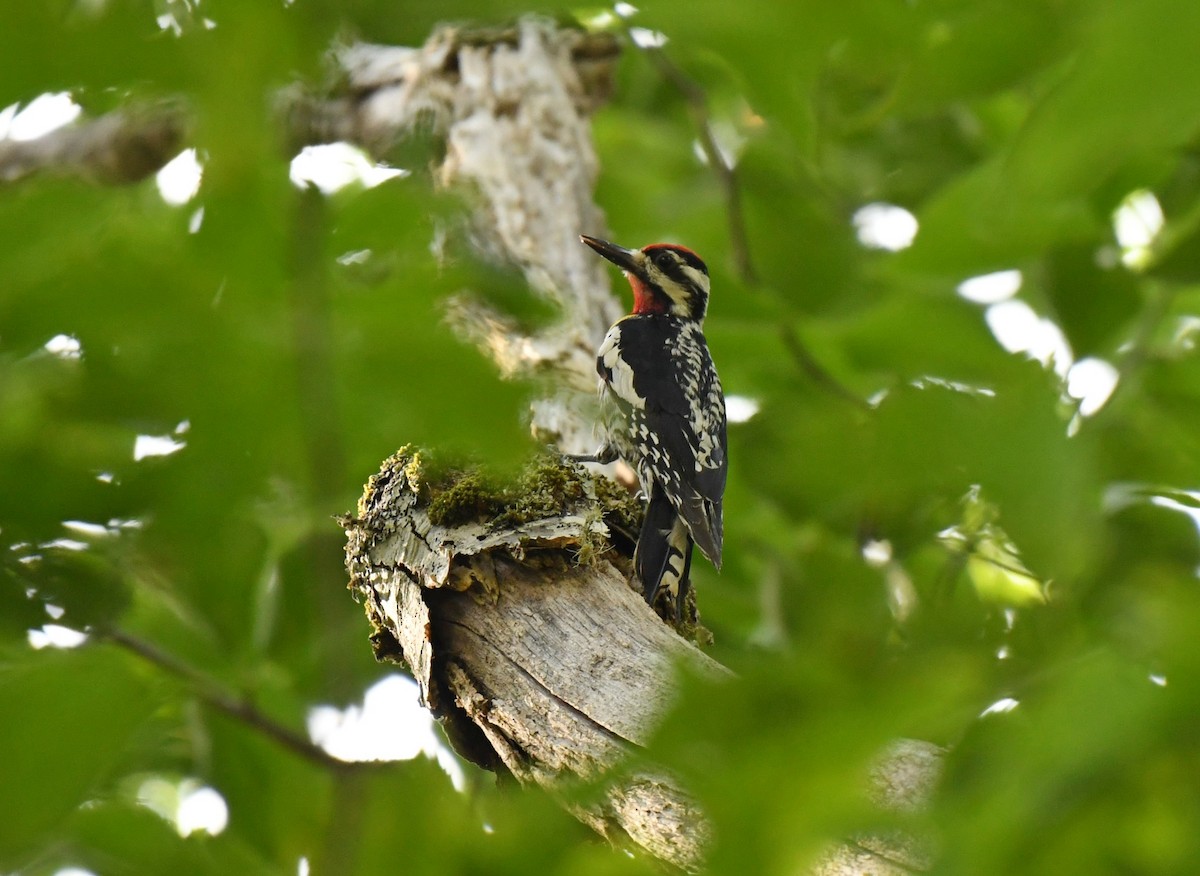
621, 382
699, 279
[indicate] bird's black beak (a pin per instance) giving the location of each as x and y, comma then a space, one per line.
625, 259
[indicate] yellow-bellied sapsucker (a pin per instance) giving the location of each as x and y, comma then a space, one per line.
664, 411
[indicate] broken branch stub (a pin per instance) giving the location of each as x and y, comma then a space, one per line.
525, 636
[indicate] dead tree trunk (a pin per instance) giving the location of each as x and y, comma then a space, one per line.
528, 642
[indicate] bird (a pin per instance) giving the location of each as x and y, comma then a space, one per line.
663, 412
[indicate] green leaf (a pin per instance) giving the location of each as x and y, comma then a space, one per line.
1094, 305
79, 712
1092, 120
124, 838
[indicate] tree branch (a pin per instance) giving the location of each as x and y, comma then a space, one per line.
214, 695
739, 239
810, 365
725, 172
511, 107
123, 146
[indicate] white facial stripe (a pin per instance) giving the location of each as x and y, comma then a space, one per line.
698, 278
680, 295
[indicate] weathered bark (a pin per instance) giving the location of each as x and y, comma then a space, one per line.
538, 664
512, 107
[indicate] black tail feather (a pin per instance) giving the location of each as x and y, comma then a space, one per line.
663, 557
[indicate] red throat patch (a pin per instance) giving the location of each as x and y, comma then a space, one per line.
645, 301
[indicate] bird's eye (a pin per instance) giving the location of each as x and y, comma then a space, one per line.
663, 260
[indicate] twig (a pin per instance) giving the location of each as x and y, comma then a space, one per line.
212, 693
809, 365
313, 346
697, 102
739, 243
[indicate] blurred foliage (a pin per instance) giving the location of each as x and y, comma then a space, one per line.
883, 557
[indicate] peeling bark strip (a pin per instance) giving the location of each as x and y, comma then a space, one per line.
537, 665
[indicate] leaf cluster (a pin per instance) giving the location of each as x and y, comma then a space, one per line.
1011, 131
